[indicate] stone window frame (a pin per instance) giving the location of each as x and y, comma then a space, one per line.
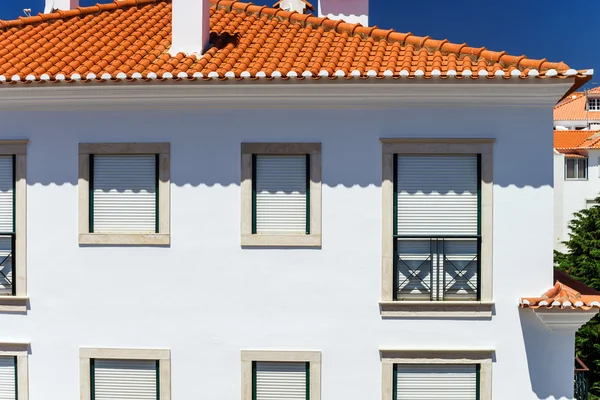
312, 357
163, 356
18, 302
389, 357
437, 309
314, 238
163, 236
21, 351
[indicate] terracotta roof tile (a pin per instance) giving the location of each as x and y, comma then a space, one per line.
574, 107
570, 140
130, 39
573, 155
567, 293
563, 297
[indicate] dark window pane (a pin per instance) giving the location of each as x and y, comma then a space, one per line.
582, 169
570, 168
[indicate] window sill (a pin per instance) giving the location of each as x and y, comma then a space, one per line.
281, 240
16, 304
436, 309
152, 239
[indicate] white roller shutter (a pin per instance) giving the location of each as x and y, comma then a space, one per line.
125, 379
436, 382
281, 198
8, 384
6, 194
124, 193
281, 380
437, 195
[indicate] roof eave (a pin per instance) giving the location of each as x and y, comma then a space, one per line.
580, 81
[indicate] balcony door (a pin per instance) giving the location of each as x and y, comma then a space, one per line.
437, 227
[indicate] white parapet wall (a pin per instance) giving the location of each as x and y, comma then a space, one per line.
354, 11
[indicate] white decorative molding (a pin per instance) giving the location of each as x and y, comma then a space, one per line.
561, 320
385, 93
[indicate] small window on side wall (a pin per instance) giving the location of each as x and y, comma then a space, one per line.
576, 168
124, 193
281, 194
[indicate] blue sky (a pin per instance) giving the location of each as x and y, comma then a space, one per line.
549, 29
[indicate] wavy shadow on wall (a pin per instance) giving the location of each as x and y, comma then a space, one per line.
205, 143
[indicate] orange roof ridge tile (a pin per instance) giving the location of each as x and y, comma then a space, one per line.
562, 296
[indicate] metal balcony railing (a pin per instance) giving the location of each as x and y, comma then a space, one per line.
437, 268
7, 261
581, 380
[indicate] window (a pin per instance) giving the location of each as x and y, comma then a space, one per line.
594, 104
109, 374
590, 203
13, 371
294, 375
437, 227
13, 205
440, 382
576, 168
280, 380
124, 193
414, 375
281, 194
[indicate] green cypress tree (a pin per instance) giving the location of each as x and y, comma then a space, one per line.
582, 262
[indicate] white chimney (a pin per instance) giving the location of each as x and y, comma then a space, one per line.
292, 5
353, 11
60, 5
190, 26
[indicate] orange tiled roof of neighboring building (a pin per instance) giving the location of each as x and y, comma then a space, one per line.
574, 107
569, 295
129, 40
576, 139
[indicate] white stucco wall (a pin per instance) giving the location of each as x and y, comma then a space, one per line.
572, 195
206, 299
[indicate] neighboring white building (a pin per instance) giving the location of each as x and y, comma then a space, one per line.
576, 178
579, 110
287, 207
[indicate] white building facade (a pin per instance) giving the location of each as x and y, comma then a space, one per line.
576, 158
223, 239
574, 191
